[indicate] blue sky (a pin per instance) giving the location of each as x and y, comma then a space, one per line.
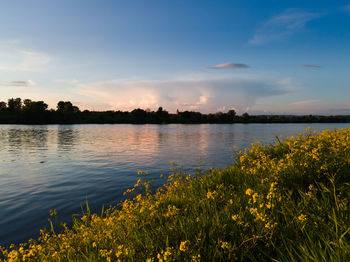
263, 57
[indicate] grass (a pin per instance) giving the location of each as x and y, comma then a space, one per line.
287, 201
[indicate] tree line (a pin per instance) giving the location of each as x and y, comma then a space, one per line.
16, 111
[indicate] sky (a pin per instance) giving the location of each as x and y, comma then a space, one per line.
260, 57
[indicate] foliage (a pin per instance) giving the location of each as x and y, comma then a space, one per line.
288, 201
35, 112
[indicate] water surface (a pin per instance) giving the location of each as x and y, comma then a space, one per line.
60, 166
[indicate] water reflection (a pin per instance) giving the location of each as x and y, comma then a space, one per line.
29, 140
66, 137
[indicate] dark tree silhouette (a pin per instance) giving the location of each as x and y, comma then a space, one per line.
35, 112
66, 107
3, 106
14, 104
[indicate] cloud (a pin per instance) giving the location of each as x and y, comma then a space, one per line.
13, 58
310, 66
305, 102
18, 83
282, 26
200, 92
23, 83
228, 66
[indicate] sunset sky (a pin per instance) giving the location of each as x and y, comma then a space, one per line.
263, 57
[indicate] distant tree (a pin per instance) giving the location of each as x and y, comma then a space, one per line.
16, 111
139, 115
34, 111
231, 115
66, 107
68, 113
190, 117
27, 102
245, 117
60, 106
34, 106
162, 115
2, 106
14, 104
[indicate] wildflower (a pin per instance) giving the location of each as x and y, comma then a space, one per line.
211, 195
253, 210
183, 246
196, 258
255, 196
302, 217
235, 217
138, 197
138, 182
167, 253
249, 192
224, 245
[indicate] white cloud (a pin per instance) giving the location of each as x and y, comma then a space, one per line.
228, 66
201, 92
282, 26
13, 58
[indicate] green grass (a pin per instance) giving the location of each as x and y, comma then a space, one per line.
288, 201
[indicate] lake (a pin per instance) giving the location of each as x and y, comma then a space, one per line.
61, 166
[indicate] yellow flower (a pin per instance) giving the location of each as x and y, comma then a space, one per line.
118, 253
235, 217
211, 195
302, 217
249, 192
183, 246
255, 196
224, 245
196, 258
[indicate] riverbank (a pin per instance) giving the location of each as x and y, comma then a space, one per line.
288, 201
